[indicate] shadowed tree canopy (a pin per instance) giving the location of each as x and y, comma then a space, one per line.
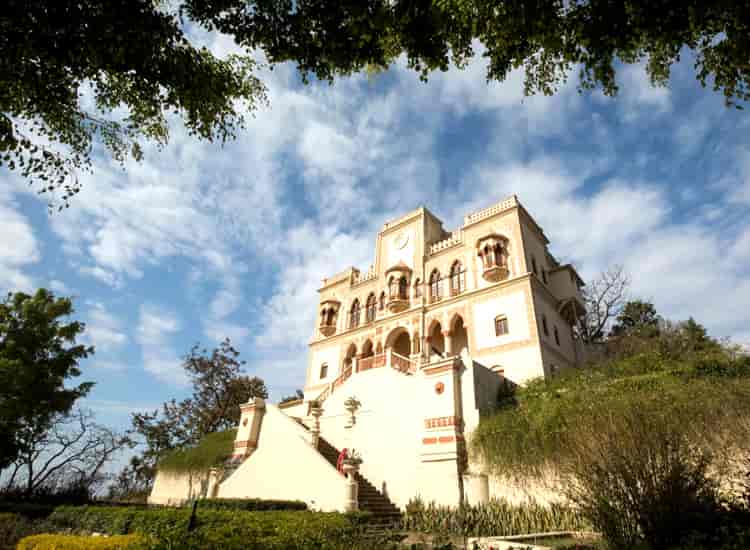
77, 72
74, 72
547, 38
38, 355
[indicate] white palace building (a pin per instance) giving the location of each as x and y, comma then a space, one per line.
405, 359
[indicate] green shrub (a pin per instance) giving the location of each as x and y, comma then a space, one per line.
31, 510
13, 527
251, 504
496, 518
78, 542
226, 529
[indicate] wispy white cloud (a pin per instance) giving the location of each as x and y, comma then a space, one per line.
103, 330
156, 327
19, 249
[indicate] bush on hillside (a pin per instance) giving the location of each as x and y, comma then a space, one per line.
212, 451
250, 504
14, 527
631, 441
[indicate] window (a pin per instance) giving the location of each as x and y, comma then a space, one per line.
417, 288
557, 337
435, 286
501, 325
381, 303
544, 276
544, 326
354, 315
323, 370
533, 266
370, 308
403, 288
458, 278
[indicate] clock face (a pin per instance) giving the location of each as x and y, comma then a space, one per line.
401, 240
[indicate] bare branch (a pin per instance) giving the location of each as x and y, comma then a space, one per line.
605, 297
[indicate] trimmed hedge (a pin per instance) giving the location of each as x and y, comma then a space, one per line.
250, 504
226, 529
78, 542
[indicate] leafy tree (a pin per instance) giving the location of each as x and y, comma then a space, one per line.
38, 354
219, 389
298, 394
68, 67
547, 38
637, 318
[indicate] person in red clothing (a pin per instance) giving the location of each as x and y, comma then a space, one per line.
340, 461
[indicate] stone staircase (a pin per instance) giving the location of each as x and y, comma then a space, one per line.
370, 499
383, 511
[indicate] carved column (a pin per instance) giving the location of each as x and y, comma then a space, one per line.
352, 488
448, 339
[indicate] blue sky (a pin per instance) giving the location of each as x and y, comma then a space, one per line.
199, 242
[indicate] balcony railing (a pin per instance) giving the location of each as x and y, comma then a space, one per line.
371, 362
402, 364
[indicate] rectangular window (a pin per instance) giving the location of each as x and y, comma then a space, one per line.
501, 325
544, 326
544, 276
557, 337
323, 370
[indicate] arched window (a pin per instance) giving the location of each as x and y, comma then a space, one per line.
381, 303
392, 287
403, 288
323, 370
435, 286
370, 311
458, 278
418, 288
354, 315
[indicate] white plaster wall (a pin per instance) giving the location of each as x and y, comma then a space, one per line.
554, 319
324, 354
388, 430
519, 365
541, 491
514, 306
286, 466
175, 489
296, 411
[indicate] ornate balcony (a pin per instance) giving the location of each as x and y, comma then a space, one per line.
398, 303
495, 273
329, 310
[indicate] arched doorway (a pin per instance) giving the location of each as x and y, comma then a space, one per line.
437, 341
459, 337
367, 349
399, 342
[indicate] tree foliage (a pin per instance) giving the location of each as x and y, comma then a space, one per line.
547, 38
72, 72
219, 388
38, 355
68, 69
633, 441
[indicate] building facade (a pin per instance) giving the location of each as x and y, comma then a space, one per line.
404, 360
490, 287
